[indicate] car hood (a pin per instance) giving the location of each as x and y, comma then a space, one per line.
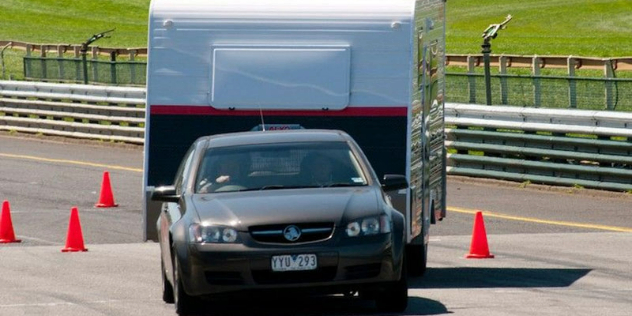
244, 209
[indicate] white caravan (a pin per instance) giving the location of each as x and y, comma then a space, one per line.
373, 68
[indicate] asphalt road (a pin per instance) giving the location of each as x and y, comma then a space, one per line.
557, 251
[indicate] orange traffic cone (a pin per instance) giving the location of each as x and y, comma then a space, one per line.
74, 239
479, 248
7, 235
107, 198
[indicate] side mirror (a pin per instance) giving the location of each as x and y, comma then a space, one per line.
165, 193
394, 182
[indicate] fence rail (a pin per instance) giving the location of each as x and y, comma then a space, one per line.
569, 88
80, 111
75, 48
462, 60
554, 146
523, 61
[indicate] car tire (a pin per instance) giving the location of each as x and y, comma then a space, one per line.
417, 259
394, 296
167, 288
184, 303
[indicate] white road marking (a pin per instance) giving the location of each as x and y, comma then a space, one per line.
69, 303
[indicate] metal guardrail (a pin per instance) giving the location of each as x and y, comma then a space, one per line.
561, 147
71, 110
553, 146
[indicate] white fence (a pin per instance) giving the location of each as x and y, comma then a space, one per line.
71, 110
561, 147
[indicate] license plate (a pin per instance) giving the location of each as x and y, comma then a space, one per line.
294, 262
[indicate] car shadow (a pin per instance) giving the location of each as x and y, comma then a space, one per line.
312, 306
465, 277
435, 278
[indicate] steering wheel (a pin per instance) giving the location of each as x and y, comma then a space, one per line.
230, 187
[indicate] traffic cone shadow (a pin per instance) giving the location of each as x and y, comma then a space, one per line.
74, 239
106, 198
7, 235
478, 247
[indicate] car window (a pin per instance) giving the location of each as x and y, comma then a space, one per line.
183, 169
279, 166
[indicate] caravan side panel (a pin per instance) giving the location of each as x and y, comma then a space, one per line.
428, 177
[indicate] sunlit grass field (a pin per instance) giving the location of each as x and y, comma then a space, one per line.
74, 21
600, 28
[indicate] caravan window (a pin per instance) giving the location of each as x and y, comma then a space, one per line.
280, 77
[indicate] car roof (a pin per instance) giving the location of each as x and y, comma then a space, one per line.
271, 137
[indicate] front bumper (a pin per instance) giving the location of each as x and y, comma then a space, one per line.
350, 264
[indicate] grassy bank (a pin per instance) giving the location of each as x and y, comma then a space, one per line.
600, 28
74, 21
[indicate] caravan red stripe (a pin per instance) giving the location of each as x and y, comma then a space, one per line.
350, 111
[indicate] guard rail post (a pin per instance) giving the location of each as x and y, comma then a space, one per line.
2, 60
608, 71
95, 64
132, 71
27, 61
571, 63
43, 53
113, 67
504, 90
537, 90
78, 68
471, 78
60, 61
487, 49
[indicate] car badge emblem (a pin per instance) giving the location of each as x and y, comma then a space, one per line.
292, 233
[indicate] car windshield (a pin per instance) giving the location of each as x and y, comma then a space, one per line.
278, 166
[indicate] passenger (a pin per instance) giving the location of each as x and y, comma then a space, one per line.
318, 170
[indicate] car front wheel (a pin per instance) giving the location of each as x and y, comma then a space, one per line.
184, 303
167, 288
394, 296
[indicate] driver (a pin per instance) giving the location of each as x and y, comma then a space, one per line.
227, 171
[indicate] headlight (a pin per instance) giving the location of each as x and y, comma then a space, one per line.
369, 226
353, 229
212, 234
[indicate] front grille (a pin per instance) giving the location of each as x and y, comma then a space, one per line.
309, 232
364, 271
269, 277
223, 278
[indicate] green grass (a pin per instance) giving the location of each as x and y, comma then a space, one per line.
74, 21
600, 28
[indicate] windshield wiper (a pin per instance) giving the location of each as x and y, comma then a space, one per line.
280, 186
272, 187
345, 184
